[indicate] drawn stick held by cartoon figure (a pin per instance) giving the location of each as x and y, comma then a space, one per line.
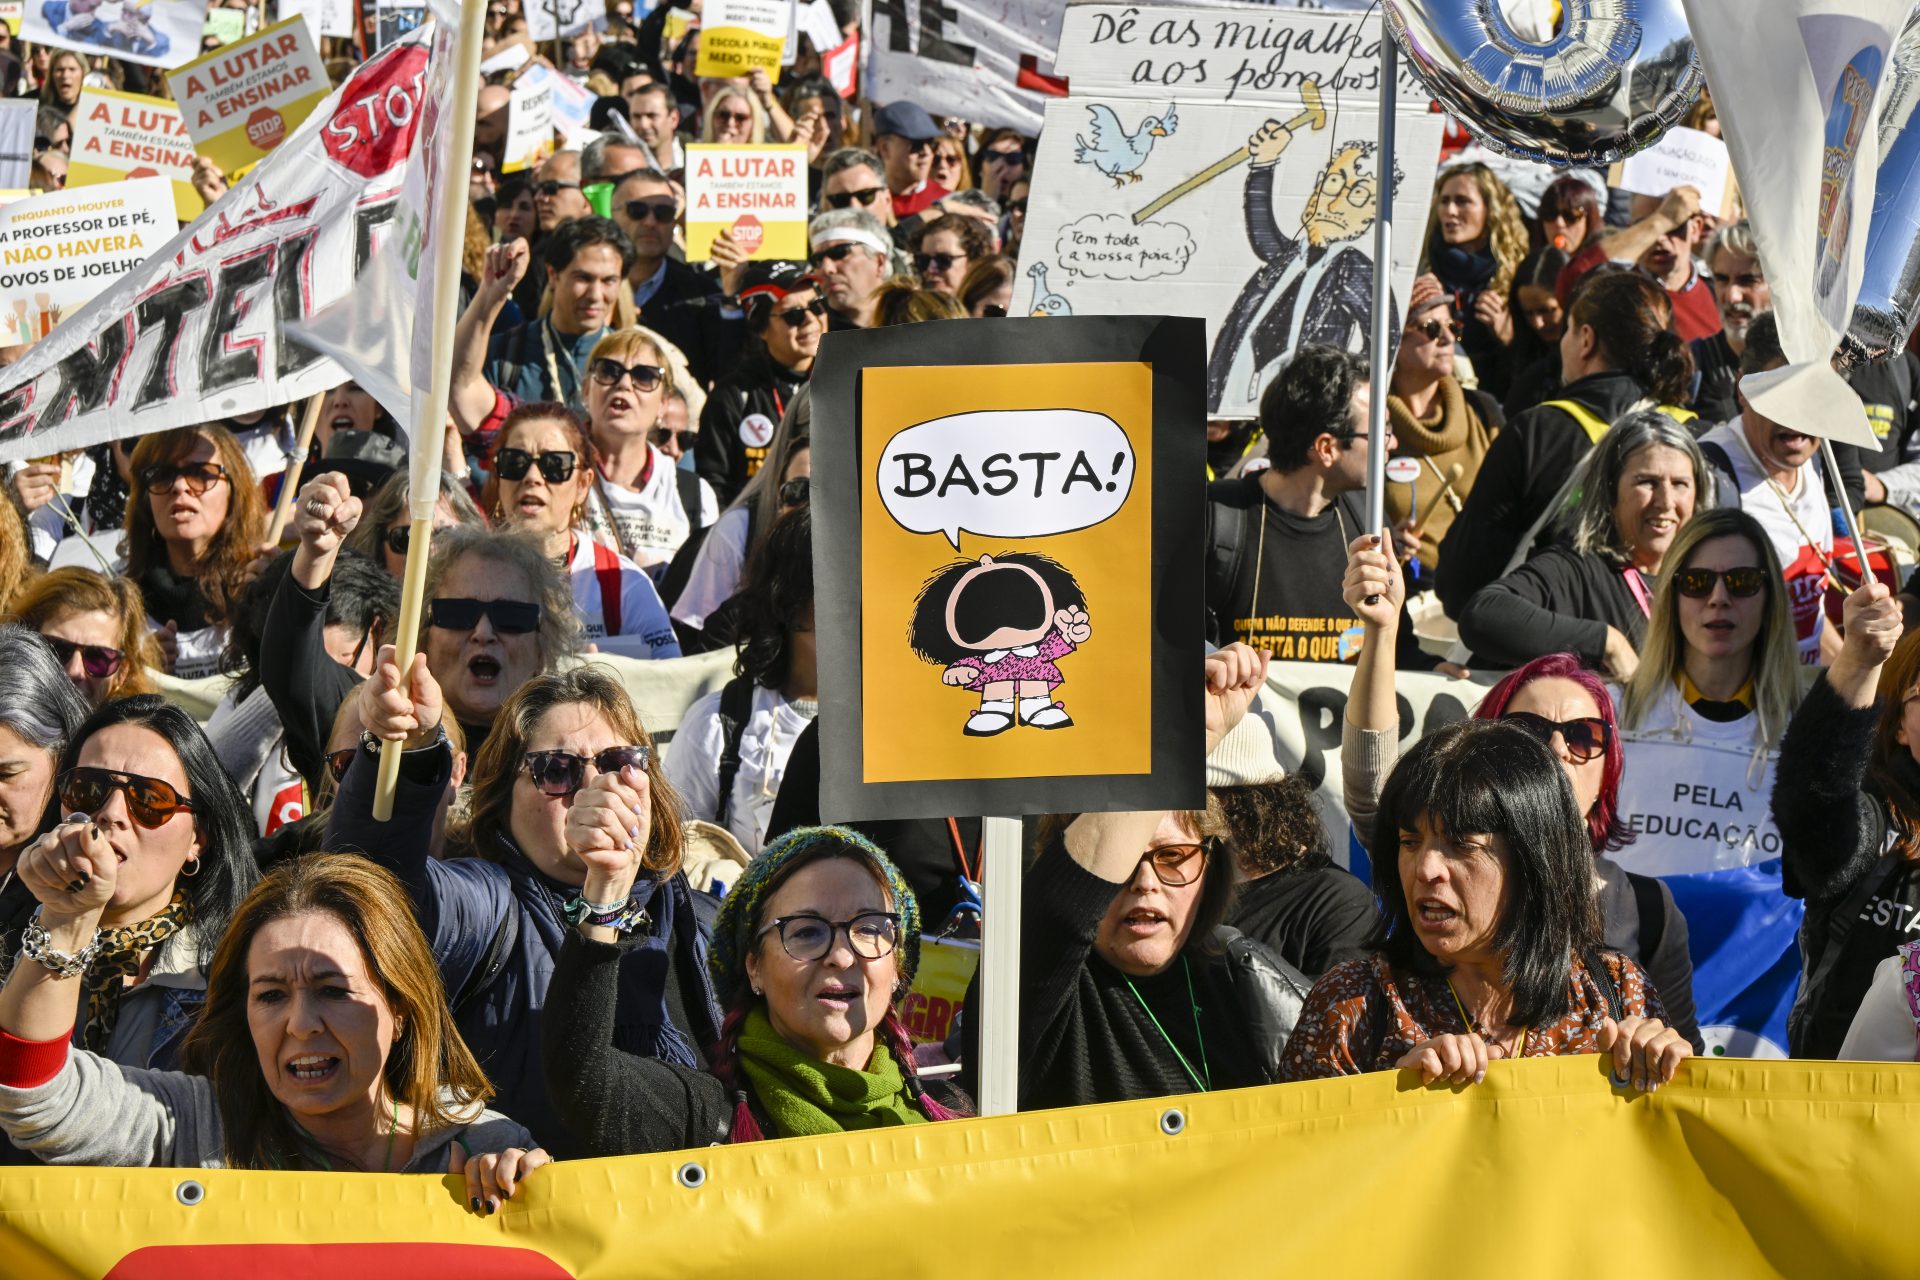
997, 626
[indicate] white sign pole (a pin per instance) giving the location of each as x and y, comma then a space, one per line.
999, 1004
1382, 363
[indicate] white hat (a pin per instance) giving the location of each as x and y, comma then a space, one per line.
1249, 754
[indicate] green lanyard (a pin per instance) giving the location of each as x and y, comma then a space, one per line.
1206, 1085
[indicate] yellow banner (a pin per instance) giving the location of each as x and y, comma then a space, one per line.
738, 35
1737, 1169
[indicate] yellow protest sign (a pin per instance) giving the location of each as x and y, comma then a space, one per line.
1735, 1169
738, 35
246, 98
129, 135
760, 193
939, 988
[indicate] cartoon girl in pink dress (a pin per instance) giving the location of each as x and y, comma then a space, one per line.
997, 625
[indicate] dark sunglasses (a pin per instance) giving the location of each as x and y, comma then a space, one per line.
658, 210
993, 311
732, 117
513, 464
553, 187
509, 617
795, 492
1016, 206
832, 253
150, 802
1586, 737
200, 476
1697, 584
797, 316
97, 660
561, 773
608, 372
398, 539
865, 195
937, 261
1015, 157
338, 763
1176, 864
685, 439
1561, 215
1432, 329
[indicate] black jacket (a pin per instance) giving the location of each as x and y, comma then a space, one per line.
305, 683
1561, 601
689, 311
726, 456
1530, 462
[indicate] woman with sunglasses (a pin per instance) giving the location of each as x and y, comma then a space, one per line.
1490, 948
382, 535
814, 948
987, 290
640, 501
324, 1044
950, 168
1447, 426
96, 627
1638, 489
192, 537
1567, 707
1000, 162
944, 248
1016, 225
140, 776
1570, 215
734, 117
786, 318
542, 474
1476, 238
497, 920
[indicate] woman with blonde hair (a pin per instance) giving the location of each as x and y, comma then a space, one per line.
901, 301
1476, 240
950, 168
97, 628
734, 116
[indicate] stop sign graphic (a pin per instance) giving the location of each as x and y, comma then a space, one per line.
266, 129
748, 232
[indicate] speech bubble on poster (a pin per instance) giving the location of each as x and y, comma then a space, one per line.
1019, 473
1111, 246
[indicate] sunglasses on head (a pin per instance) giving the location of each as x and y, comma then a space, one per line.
97, 660
553, 187
795, 492
200, 476
509, 617
1697, 584
150, 802
865, 195
832, 253
1432, 329
659, 210
797, 316
1586, 737
561, 773
608, 372
941, 262
685, 439
512, 465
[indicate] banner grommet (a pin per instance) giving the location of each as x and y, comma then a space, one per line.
692, 1175
1173, 1122
190, 1193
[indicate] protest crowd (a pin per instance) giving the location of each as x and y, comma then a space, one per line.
588, 929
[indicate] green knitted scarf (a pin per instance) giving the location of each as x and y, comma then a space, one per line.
804, 1096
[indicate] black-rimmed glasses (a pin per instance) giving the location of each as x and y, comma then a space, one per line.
871, 934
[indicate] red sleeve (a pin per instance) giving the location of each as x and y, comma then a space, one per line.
28, 1064
482, 438
1584, 261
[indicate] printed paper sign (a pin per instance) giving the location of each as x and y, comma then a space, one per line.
738, 35
932, 1008
242, 101
324, 17
841, 66
758, 192
11, 12
981, 60
529, 124
1682, 158
154, 33
546, 18
127, 135
226, 25
60, 249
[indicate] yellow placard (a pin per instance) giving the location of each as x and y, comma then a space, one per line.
1736, 1169
246, 98
129, 135
939, 988
760, 193
738, 35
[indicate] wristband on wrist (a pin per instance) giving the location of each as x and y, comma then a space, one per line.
36, 945
620, 916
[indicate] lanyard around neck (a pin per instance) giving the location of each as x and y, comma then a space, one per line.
1206, 1085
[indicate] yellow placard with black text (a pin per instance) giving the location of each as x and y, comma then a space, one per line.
738, 35
246, 98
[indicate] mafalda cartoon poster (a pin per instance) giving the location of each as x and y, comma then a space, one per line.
1007, 524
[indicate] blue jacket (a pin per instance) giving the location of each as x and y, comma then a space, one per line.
496, 929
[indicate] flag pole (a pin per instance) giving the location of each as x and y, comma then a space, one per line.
449, 224
1381, 373
283, 509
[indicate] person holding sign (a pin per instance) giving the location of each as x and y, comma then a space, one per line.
1850, 817
1490, 948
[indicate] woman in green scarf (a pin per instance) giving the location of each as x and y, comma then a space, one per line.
814, 948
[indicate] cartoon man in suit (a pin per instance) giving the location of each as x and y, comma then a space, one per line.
1316, 287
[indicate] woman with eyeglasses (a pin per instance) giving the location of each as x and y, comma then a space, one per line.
324, 1042
542, 473
734, 117
1565, 706
786, 317
1491, 947
497, 920
1447, 426
1638, 489
96, 627
815, 946
640, 501
1476, 238
139, 779
1000, 163
945, 247
192, 542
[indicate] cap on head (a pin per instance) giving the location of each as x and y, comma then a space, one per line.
907, 120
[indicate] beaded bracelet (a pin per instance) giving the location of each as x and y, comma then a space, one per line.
34, 940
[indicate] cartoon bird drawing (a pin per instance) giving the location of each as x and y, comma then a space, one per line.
1114, 151
1045, 301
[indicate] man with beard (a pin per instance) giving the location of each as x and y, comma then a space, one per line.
1660, 242
786, 316
1741, 289
1317, 288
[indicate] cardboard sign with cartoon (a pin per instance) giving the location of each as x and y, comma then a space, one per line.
1007, 566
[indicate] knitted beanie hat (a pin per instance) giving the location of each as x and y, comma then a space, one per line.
1427, 292
740, 913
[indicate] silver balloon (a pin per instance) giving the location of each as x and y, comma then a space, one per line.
1884, 314
1616, 77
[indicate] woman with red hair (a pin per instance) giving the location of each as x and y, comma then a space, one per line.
1568, 708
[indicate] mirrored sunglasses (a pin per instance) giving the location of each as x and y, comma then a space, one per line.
562, 773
